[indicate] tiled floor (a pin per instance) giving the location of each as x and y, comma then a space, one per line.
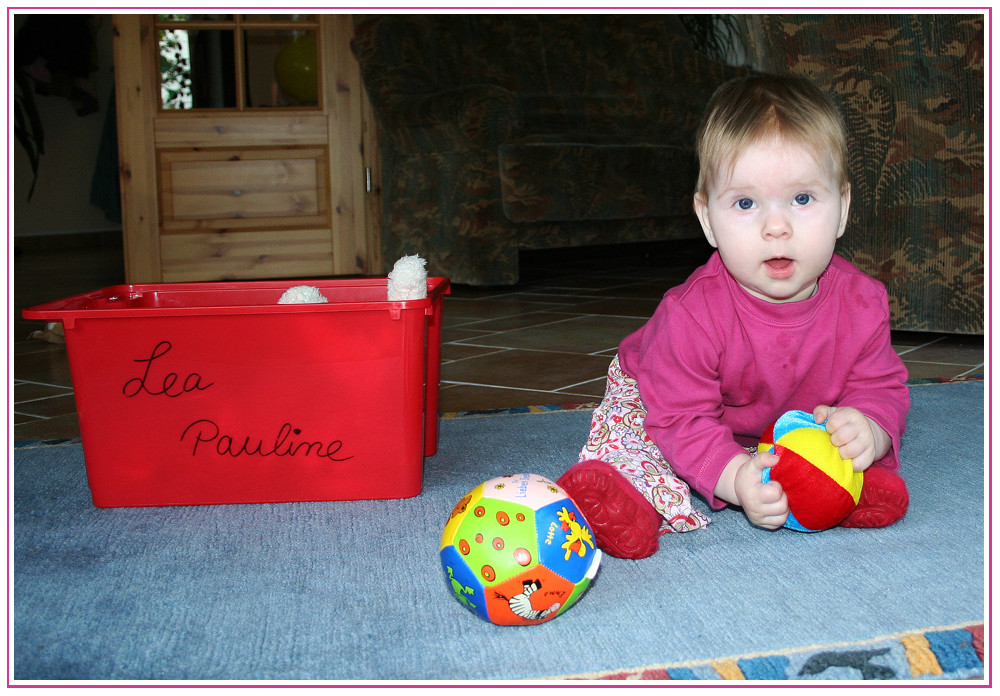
546, 341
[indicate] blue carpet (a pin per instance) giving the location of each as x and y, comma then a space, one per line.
354, 590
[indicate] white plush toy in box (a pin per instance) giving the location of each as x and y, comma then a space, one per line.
408, 279
302, 294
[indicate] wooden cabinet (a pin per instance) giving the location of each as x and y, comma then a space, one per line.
224, 174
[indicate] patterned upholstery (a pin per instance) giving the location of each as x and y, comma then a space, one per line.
912, 88
502, 132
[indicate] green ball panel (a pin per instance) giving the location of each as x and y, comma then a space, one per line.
497, 539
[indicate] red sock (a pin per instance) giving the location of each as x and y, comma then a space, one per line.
883, 501
625, 524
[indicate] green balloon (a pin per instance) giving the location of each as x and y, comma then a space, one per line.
295, 68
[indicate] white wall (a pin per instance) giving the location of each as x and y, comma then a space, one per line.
61, 202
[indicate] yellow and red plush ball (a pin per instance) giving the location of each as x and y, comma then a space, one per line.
822, 488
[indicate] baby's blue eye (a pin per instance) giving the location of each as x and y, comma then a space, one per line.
802, 199
745, 203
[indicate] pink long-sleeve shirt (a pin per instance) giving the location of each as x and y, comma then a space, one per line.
716, 366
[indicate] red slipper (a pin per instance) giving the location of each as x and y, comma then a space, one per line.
625, 524
883, 501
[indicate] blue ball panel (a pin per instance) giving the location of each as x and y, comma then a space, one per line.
464, 584
562, 537
793, 420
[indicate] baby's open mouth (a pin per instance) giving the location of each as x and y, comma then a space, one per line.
778, 264
779, 267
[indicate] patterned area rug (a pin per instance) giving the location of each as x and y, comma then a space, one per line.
354, 590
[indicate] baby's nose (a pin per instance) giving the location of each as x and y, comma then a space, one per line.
776, 226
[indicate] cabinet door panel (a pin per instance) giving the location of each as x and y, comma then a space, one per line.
262, 188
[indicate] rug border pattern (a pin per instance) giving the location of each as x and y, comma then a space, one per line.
944, 652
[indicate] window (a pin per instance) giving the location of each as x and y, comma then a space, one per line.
238, 62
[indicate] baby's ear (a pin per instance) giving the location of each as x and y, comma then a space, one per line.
701, 210
845, 205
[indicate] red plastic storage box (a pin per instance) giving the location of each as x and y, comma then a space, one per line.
203, 393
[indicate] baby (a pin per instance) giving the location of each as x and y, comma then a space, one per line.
774, 321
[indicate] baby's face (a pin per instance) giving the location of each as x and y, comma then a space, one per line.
775, 219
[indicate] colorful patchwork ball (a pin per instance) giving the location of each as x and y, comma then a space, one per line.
822, 488
517, 551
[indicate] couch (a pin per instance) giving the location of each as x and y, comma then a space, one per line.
911, 88
506, 132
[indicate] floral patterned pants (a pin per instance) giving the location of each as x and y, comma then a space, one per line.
617, 437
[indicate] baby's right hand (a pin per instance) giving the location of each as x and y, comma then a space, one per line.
765, 504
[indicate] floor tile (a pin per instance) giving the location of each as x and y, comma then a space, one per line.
459, 351
462, 397
924, 370
590, 282
951, 350
57, 428
639, 307
460, 310
563, 296
29, 391
594, 387
21, 418
907, 340
48, 367
48, 407
522, 368
518, 321
574, 334
651, 290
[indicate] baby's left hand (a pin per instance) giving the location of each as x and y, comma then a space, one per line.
856, 436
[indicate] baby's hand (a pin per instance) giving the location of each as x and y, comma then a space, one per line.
856, 436
765, 504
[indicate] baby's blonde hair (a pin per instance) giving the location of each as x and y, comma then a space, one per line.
754, 109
